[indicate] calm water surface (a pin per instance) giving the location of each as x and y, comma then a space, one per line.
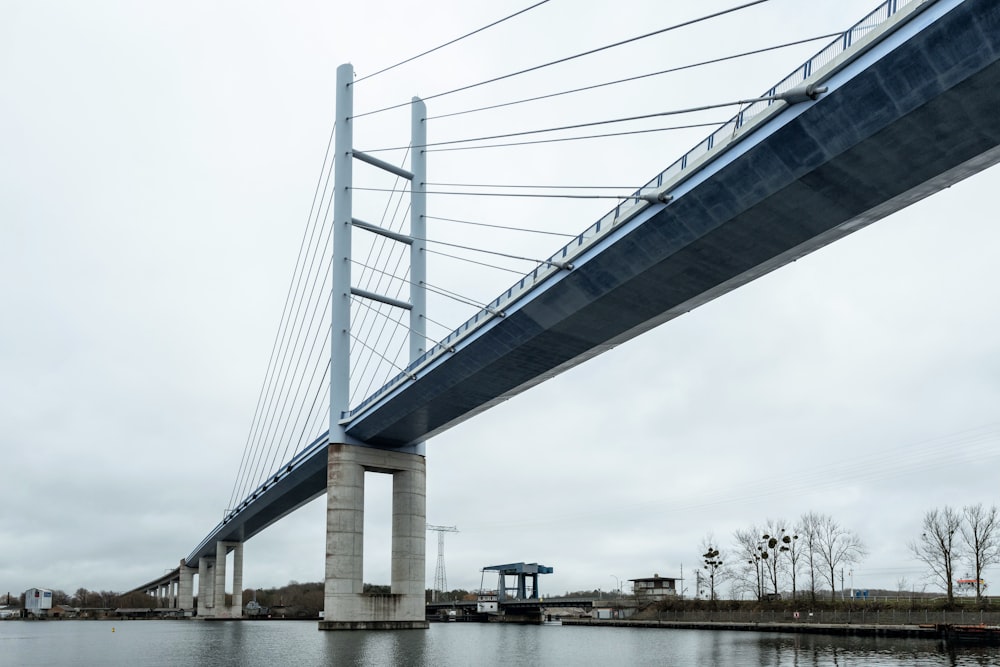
253, 643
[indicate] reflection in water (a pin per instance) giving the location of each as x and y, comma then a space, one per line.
264, 643
828, 651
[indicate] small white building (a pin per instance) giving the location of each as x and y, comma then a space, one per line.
37, 601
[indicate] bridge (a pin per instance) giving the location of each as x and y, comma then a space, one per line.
898, 107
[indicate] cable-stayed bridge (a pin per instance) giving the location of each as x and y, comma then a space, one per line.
898, 107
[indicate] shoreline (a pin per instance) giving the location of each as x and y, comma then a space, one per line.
924, 631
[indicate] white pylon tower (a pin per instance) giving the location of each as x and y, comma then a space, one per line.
440, 578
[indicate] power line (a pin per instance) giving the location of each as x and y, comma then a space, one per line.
638, 77
599, 49
449, 43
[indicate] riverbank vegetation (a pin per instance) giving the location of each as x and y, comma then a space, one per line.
815, 555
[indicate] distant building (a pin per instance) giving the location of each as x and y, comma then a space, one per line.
655, 587
254, 609
37, 601
63, 611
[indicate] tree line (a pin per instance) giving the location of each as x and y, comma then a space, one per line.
811, 554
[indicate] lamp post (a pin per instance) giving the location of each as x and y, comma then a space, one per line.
618, 586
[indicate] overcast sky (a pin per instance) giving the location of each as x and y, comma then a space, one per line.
158, 163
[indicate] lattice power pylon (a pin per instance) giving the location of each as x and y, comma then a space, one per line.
440, 577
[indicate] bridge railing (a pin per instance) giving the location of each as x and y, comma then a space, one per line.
624, 211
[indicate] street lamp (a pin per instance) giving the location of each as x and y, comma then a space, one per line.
618, 586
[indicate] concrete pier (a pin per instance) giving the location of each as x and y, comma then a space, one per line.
204, 590
346, 607
221, 610
185, 587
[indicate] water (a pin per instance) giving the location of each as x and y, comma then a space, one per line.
271, 643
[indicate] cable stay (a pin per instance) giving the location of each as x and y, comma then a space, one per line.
440, 291
360, 372
367, 329
673, 128
515, 229
290, 427
364, 371
575, 56
250, 448
639, 77
379, 313
449, 43
528, 187
277, 411
472, 261
559, 265
610, 121
312, 408
383, 357
538, 195
438, 324
262, 421
362, 361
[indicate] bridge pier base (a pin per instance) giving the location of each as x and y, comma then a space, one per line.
345, 605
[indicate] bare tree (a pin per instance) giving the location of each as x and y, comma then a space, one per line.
712, 562
836, 546
809, 531
748, 554
981, 533
775, 545
794, 560
938, 546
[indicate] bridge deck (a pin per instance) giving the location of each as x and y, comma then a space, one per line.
911, 115
907, 115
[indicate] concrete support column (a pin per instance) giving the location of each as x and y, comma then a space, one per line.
206, 588
185, 587
236, 611
409, 539
219, 581
345, 608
